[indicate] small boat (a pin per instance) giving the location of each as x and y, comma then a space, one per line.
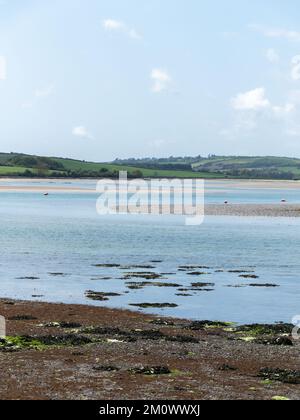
283, 200
46, 194
226, 202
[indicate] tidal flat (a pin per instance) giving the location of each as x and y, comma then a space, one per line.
115, 354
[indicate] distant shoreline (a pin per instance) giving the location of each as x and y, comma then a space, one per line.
217, 209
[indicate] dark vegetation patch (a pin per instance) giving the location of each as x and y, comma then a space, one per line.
107, 265
146, 276
266, 329
154, 305
22, 318
57, 274
18, 343
246, 272
63, 325
275, 341
202, 325
197, 273
201, 285
100, 296
193, 267
263, 285
135, 335
142, 267
155, 284
150, 371
106, 368
182, 339
64, 340
281, 375
227, 368
163, 322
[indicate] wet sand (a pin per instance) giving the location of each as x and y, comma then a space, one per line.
242, 210
101, 354
253, 210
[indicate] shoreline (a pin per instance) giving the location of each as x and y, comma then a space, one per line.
85, 352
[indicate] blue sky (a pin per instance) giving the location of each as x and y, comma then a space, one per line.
100, 79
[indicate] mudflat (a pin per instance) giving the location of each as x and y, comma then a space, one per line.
58, 351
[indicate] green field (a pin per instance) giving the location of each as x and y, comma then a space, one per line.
213, 167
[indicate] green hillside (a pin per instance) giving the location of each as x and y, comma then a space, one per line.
15, 164
250, 167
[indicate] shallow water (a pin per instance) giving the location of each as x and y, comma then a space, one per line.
63, 234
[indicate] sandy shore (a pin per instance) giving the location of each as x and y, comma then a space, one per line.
243, 210
82, 352
253, 210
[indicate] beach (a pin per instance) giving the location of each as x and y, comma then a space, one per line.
130, 296
81, 352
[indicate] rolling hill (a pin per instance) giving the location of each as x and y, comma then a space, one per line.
240, 167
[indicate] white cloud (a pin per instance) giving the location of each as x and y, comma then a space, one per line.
161, 80
268, 32
113, 25
283, 111
81, 131
272, 56
251, 101
295, 72
254, 110
3, 68
45, 91
119, 26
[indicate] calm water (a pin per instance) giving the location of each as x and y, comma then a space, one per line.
63, 234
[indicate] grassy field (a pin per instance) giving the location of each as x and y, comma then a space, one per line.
74, 165
214, 167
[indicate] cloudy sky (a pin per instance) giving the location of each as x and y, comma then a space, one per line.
100, 79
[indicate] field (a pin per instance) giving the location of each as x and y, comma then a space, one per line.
213, 167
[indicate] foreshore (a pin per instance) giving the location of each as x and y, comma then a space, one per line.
58, 351
56, 186
253, 210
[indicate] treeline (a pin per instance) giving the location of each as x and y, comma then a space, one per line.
102, 173
35, 162
258, 174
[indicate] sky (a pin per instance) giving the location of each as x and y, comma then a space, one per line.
105, 79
